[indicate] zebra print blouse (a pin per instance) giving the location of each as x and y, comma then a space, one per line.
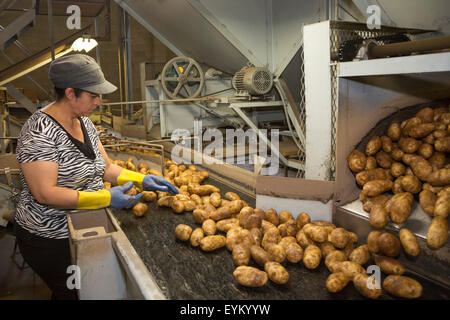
43, 139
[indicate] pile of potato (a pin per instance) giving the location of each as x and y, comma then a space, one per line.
262, 243
411, 162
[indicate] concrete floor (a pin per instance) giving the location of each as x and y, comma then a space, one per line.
17, 283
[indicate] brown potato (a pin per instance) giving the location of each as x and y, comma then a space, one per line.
378, 217
409, 242
271, 236
257, 235
389, 245
139, 209
339, 237
371, 163
250, 276
397, 186
377, 187
285, 216
211, 243
394, 131
421, 130
357, 161
349, 268
439, 178
303, 240
372, 241
148, 196
442, 205
227, 224
232, 196
183, 232
420, 166
361, 281
437, 233
132, 191
276, 272
259, 255
368, 175
276, 252
209, 227
425, 150
312, 256
253, 221
442, 144
196, 236
272, 217
215, 199
397, 154
437, 160
406, 125
386, 144
372, 201
315, 232
399, 207
200, 215
336, 282
373, 146
409, 145
360, 255
294, 252
401, 286
397, 169
326, 248
302, 219
288, 228
427, 201
241, 255
411, 184
333, 257
266, 226
426, 114
384, 160
389, 265
177, 206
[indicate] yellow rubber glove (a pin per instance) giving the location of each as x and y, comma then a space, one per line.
93, 199
128, 175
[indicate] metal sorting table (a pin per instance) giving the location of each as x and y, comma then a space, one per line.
185, 272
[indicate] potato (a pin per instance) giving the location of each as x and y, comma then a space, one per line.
303, 240
177, 206
259, 255
202, 190
368, 175
360, 255
334, 257
200, 215
215, 199
183, 232
252, 221
372, 201
285, 216
397, 154
250, 276
442, 205
426, 114
394, 131
276, 272
148, 196
259, 212
336, 282
377, 187
437, 233
427, 201
384, 160
361, 282
226, 224
439, 178
266, 226
276, 252
339, 237
211, 243
389, 265
389, 245
271, 236
165, 201
372, 241
371, 163
221, 213
437, 160
420, 166
425, 150
373, 146
294, 252
378, 217
401, 286
288, 228
196, 236
302, 219
231, 196
196, 198
328, 226
409, 242
421, 130
241, 255
399, 207
272, 217
409, 145
411, 184
429, 187
132, 191
315, 233
397, 169
108, 185
349, 268
312, 256
442, 144
406, 125
326, 248
397, 186
357, 161
257, 235
209, 227
139, 209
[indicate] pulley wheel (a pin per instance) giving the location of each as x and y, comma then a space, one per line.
182, 77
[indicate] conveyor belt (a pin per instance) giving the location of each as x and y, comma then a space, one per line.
185, 272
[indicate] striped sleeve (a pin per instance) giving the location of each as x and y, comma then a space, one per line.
36, 146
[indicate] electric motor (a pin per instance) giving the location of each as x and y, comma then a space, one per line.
254, 80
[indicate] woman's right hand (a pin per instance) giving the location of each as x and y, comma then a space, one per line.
120, 200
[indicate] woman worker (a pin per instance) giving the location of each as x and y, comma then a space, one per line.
63, 165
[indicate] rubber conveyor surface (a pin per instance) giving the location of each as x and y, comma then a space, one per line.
187, 273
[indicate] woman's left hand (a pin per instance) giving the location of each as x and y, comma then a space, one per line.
152, 183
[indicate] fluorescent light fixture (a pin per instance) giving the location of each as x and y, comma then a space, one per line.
84, 43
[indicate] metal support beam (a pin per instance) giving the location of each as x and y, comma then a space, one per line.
24, 101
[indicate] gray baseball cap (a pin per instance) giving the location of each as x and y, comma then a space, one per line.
79, 71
